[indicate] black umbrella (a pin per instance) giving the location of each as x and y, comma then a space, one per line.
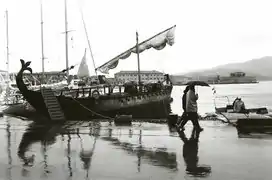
197, 83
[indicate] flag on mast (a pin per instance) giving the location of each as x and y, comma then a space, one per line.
157, 42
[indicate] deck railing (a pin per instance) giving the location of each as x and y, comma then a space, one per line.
106, 90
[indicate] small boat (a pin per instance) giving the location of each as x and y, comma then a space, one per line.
232, 117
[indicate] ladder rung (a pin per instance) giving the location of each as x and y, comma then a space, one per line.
54, 108
51, 100
57, 116
54, 116
55, 112
53, 105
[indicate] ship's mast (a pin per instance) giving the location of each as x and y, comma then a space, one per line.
7, 39
7, 94
66, 40
42, 81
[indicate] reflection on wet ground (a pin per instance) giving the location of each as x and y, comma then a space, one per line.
89, 150
190, 155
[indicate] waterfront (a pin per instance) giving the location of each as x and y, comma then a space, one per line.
142, 151
254, 95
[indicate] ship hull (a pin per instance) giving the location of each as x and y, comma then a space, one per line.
141, 106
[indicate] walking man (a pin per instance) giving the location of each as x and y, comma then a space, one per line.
191, 109
184, 114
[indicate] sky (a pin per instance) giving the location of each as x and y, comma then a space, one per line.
208, 33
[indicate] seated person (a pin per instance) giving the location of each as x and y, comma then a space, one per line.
239, 106
234, 102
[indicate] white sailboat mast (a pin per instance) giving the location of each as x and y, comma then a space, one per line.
66, 40
42, 47
7, 39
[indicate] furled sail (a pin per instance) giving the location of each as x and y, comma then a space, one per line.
157, 42
83, 70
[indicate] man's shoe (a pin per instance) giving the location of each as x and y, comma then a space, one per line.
199, 129
180, 128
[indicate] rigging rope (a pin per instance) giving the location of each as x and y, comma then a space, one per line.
89, 44
106, 117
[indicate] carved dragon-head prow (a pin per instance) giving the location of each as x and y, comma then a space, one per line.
25, 66
19, 77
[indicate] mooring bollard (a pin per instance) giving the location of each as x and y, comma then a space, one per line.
123, 120
172, 119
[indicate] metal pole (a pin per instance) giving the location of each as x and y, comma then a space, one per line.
7, 94
42, 80
66, 40
138, 59
7, 36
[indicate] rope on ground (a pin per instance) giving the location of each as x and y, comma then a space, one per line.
247, 115
225, 118
106, 117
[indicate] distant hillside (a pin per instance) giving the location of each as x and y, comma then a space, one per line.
261, 68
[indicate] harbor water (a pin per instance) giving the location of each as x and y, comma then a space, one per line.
254, 95
103, 151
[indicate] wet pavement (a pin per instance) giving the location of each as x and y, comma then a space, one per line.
84, 150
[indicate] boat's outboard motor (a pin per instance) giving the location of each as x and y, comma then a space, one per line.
262, 111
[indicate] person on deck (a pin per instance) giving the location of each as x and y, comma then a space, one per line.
234, 102
239, 106
191, 109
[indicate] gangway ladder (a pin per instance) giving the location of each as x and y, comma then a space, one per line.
52, 104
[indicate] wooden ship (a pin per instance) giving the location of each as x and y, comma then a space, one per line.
149, 101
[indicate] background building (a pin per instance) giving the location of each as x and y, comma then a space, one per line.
180, 79
146, 76
3, 75
49, 77
233, 78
